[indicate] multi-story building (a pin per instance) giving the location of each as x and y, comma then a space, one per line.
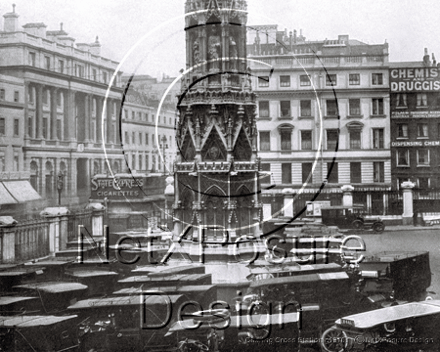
323, 109
69, 98
148, 138
415, 123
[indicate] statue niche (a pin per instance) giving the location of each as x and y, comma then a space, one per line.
214, 150
214, 49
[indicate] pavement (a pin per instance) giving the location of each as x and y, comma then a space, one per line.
398, 228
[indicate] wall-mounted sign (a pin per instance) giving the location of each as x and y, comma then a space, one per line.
416, 144
415, 79
414, 114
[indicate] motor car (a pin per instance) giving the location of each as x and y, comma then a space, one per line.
411, 326
350, 217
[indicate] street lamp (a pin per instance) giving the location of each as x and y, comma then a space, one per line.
60, 185
164, 146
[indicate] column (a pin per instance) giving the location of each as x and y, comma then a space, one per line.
26, 111
53, 113
87, 117
407, 216
43, 177
39, 111
69, 116
72, 176
108, 138
347, 195
99, 117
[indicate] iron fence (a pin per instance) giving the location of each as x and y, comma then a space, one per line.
31, 239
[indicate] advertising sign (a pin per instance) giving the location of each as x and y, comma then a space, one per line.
415, 79
117, 188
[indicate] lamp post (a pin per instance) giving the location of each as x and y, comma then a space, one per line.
164, 146
60, 185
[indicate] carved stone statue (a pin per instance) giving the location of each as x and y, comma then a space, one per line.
196, 52
232, 53
214, 48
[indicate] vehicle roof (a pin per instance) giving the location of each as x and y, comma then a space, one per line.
54, 287
91, 273
386, 315
290, 267
5, 300
392, 256
166, 289
33, 320
179, 277
300, 278
125, 301
155, 270
244, 321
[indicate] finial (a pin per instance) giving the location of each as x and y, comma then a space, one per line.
61, 26
13, 8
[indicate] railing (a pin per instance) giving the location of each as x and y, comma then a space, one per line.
31, 239
82, 217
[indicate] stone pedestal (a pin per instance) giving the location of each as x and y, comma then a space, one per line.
347, 195
288, 202
57, 218
407, 216
97, 219
7, 239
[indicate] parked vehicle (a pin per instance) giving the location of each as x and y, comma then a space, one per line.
350, 217
412, 326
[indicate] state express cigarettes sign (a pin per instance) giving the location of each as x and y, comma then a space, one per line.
415, 79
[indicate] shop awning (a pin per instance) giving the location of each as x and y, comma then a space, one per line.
21, 191
5, 196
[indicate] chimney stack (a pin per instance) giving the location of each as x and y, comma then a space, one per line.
426, 60
11, 21
95, 48
434, 61
294, 36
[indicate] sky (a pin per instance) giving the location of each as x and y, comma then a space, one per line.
147, 36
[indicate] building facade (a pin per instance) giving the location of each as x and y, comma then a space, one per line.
415, 123
323, 114
63, 100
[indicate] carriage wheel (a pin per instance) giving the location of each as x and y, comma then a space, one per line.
334, 340
378, 227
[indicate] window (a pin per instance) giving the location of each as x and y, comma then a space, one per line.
47, 62
126, 139
94, 74
16, 96
263, 81
2, 94
45, 97
422, 130
59, 101
377, 106
378, 138
146, 139
306, 140
354, 79
59, 129
140, 161
140, 138
132, 115
306, 108
133, 138
285, 108
355, 140
263, 107
286, 140
31, 95
285, 81
402, 130
140, 115
332, 172
45, 128
147, 162
104, 77
402, 157
401, 100
355, 172
379, 171
354, 106
330, 80
377, 79
32, 59
264, 141
423, 157
422, 100
2, 126
30, 127
16, 127
332, 107
304, 81
306, 170
266, 168
332, 139
61, 66
286, 173
133, 161
423, 183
